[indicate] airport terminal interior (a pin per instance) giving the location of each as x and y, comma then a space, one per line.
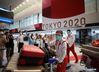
49, 35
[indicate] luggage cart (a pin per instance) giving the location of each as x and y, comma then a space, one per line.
52, 61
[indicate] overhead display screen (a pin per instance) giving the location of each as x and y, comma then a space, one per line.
6, 16
6, 20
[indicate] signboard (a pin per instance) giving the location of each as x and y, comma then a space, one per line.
76, 21
6, 20
58, 14
6, 16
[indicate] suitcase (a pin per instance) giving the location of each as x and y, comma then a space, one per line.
95, 43
31, 55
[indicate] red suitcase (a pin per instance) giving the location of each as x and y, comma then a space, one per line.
32, 51
31, 55
95, 43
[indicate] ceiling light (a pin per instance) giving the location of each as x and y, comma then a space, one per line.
5, 10
17, 7
23, 3
13, 10
27, 0
20, 5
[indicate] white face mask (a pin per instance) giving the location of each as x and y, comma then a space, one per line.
69, 33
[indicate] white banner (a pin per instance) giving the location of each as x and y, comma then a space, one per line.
76, 21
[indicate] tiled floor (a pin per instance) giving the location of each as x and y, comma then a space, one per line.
78, 68
1, 70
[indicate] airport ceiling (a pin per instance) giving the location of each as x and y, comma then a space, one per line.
12, 4
9, 4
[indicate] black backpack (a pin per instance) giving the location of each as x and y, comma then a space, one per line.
26, 38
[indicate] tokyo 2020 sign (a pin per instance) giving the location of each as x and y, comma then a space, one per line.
60, 14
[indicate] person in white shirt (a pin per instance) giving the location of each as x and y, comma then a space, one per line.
20, 41
71, 45
61, 53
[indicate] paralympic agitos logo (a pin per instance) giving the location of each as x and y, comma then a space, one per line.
62, 8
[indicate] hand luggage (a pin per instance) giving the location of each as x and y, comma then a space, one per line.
95, 43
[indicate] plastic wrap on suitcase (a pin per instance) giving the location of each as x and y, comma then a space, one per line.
32, 51
31, 55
